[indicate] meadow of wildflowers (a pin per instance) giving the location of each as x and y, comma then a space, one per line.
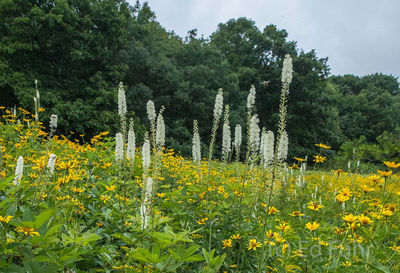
110, 205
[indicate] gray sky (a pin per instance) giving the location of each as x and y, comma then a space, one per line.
359, 36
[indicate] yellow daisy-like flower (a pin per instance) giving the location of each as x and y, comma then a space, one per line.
227, 243
366, 188
364, 220
6, 219
110, 188
323, 243
236, 237
323, 146
319, 159
105, 198
27, 231
272, 210
346, 192
312, 226
299, 159
271, 234
338, 171
297, 213
346, 263
385, 173
392, 165
342, 198
395, 248
284, 227
75, 189
253, 244
350, 218
202, 221
387, 212
284, 247
339, 230
314, 206
344, 195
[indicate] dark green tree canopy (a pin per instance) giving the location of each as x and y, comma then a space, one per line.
80, 50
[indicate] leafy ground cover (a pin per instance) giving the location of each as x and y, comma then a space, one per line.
85, 215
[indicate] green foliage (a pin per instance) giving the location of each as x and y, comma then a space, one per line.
386, 148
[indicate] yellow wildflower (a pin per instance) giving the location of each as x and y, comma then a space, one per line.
27, 231
346, 263
110, 188
272, 210
392, 165
105, 198
350, 218
323, 146
314, 206
253, 244
6, 219
319, 159
364, 220
284, 227
297, 213
75, 189
236, 237
385, 173
227, 243
312, 226
202, 221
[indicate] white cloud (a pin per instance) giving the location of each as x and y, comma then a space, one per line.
359, 37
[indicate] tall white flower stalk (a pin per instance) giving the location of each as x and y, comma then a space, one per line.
254, 135
218, 107
19, 170
122, 109
146, 156
226, 136
251, 99
269, 149
238, 141
53, 124
283, 147
160, 131
130, 151
287, 71
36, 100
119, 147
262, 144
151, 114
145, 207
51, 163
196, 146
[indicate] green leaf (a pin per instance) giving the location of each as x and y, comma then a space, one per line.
43, 217
380, 267
6, 182
53, 229
194, 258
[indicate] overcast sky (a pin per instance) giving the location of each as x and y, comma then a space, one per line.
359, 36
